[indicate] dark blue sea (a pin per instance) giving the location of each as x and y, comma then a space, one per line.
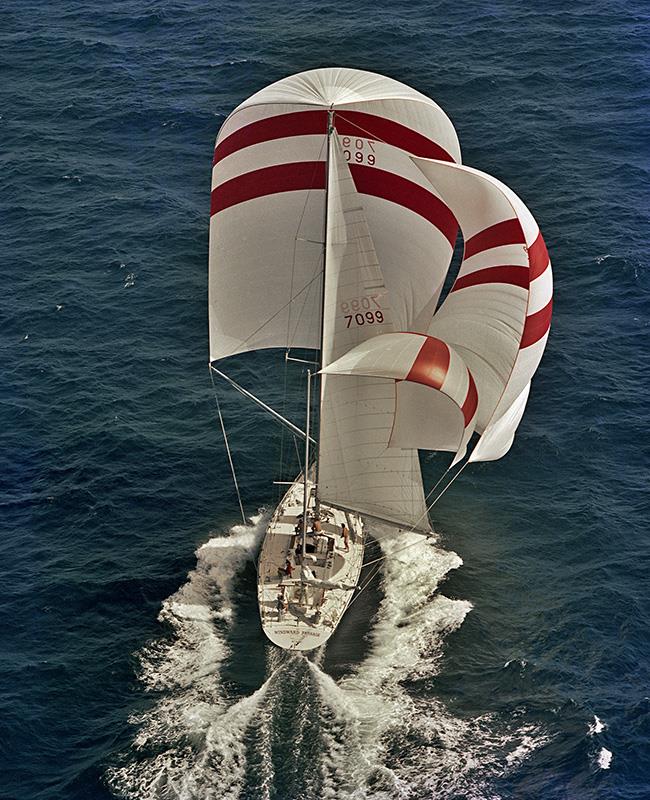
512, 659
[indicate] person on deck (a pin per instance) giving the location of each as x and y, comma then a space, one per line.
282, 605
288, 569
345, 533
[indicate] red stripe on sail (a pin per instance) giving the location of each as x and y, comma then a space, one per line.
507, 232
431, 363
388, 186
471, 401
516, 276
269, 180
537, 325
299, 123
362, 125
348, 123
537, 257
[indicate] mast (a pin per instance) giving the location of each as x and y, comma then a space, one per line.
330, 128
305, 500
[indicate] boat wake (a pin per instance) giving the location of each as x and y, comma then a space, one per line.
301, 733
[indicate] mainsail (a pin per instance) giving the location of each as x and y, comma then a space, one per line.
357, 468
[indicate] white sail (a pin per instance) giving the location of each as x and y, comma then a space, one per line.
436, 398
357, 467
498, 312
500, 434
267, 211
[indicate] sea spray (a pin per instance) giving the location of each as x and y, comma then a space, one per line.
195, 727
387, 740
301, 733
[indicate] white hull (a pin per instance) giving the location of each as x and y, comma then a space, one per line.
314, 608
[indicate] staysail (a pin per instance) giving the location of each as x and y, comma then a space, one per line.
435, 394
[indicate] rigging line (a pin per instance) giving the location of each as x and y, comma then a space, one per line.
225, 439
282, 432
436, 484
279, 311
295, 443
401, 550
275, 414
429, 507
412, 528
365, 585
419, 541
447, 486
365, 130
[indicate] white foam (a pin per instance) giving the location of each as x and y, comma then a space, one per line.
196, 730
199, 739
605, 758
597, 726
452, 755
521, 661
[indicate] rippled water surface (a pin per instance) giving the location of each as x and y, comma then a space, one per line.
511, 659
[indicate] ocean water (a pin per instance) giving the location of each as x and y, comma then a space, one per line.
512, 659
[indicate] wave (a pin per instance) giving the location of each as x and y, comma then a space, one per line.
302, 733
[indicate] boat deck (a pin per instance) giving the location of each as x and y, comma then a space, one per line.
316, 592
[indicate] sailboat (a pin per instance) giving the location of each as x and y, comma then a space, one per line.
337, 199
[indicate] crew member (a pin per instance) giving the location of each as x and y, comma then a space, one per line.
345, 533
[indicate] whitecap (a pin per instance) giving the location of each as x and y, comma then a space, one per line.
605, 758
521, 661
597, 726
228, 63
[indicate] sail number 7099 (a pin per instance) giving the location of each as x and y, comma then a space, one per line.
362, 311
